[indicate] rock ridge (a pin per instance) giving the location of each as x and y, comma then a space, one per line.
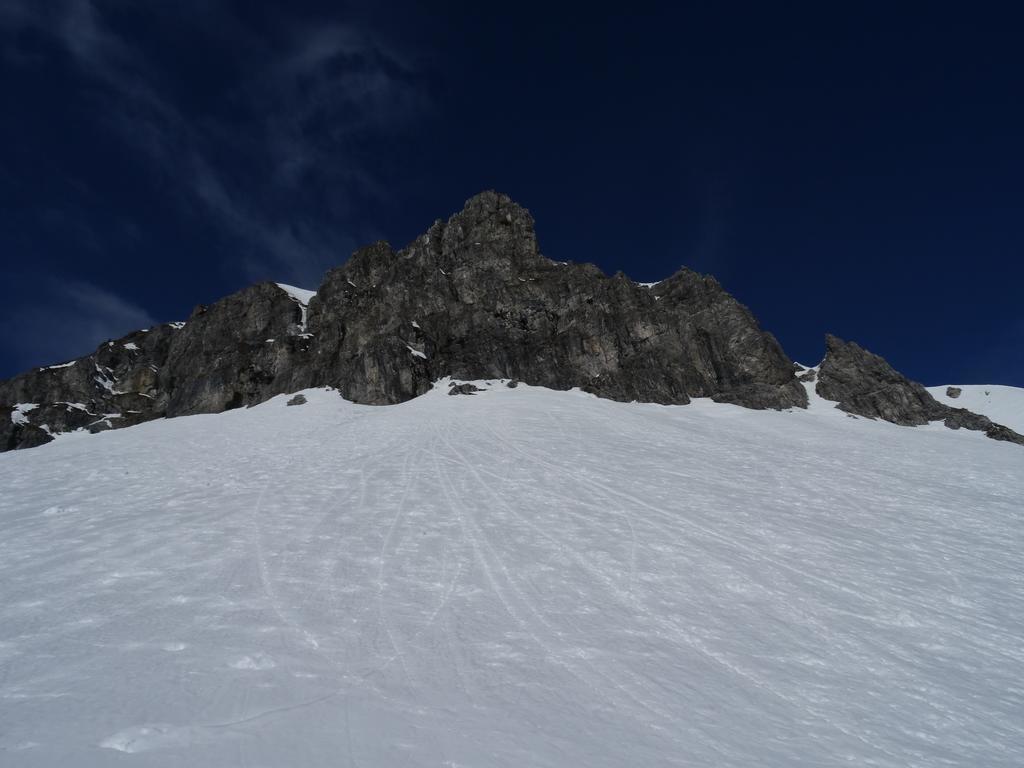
470, 298
864, 384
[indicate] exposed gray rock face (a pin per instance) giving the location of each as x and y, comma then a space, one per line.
237, 352
117, 385
961, 417
297, 400
953, 392
472, 298
463, 389
865, 384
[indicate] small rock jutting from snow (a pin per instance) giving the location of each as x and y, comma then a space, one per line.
297, 400
463, 389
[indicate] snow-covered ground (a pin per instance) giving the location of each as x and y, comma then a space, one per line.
302, 297
1004, 405
516, 578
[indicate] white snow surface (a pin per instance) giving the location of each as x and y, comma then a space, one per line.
516, 578
1004, 405
19, 410
301, 295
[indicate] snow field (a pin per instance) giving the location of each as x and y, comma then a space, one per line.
519, 577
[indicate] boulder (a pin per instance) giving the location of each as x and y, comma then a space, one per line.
471, 298
463, 389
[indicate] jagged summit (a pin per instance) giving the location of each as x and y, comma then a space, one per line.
491, 229
470, 298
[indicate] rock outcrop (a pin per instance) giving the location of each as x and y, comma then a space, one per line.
864, 384
463, 389
238, 351
471, 298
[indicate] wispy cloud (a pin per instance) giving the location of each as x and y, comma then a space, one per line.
73, 320
276, 165
279, 174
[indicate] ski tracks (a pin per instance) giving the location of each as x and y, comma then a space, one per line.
528, 616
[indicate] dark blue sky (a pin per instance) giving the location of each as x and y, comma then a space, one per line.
855, 170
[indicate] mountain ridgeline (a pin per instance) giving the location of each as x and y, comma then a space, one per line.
472, 298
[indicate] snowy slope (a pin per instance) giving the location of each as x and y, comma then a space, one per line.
301, 295
1004, 405
517, 578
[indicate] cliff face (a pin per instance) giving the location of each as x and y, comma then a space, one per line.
239, 351
474, 298
471, 298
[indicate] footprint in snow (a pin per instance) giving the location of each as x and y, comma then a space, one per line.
52, 511
256, 661
142, 738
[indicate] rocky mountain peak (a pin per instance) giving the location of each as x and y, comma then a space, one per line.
490, 234
470, 298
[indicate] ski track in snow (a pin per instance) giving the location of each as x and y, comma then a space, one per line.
518, 577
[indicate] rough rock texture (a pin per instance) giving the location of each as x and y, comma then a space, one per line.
953, 392
297, 400
960, 417
472, 298
239, 351
463, 389
865, 384
117, 385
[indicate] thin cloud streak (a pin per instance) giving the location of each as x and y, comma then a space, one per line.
73, 320
276, 169
303, 107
